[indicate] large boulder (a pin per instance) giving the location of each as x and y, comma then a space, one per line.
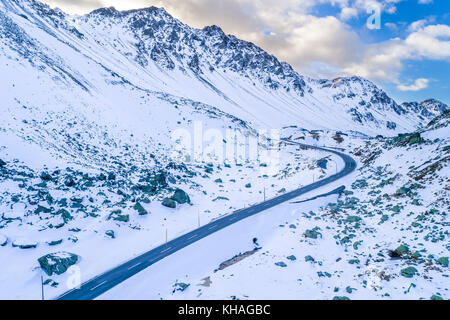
313, 234
111, 234
180, 286
281, 264
442, 261
45, 176
181, 197
69, 181
23, 243
408, 272
402, 249
140, 209
160, 180
169, 203
117, 215
322, 163
54, 242
65, 215
57, 263
2, 163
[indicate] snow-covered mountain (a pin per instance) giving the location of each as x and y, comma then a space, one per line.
95, 56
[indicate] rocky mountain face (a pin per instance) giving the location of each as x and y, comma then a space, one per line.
427, 109
148, 49
170, 44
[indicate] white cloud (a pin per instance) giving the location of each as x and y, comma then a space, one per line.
391, 26
348, 13
420, 24
416, 25
425, 1
430, 42
384, 61
387, 6
419, 84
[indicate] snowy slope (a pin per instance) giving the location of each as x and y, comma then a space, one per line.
386, 237
147, 49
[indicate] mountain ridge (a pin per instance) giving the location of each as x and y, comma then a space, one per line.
154, 51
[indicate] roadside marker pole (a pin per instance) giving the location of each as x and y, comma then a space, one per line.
166, 242
42, 286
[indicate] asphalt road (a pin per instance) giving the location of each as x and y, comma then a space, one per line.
102, 283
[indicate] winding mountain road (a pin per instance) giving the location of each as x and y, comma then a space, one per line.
101, 284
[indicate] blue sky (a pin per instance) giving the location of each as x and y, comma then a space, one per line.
408, 56
396, 25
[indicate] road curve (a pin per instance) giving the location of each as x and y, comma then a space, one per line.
101, 284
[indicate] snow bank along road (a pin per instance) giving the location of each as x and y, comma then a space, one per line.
99, 285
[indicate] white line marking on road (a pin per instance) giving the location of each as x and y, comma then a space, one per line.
192, 237
99, 285
137, 264
212, 227
165, 250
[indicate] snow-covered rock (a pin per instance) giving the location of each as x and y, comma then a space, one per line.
24, 243
57, 263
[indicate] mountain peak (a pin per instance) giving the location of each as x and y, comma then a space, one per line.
434, 101
110, 11
428, 108
212, 30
